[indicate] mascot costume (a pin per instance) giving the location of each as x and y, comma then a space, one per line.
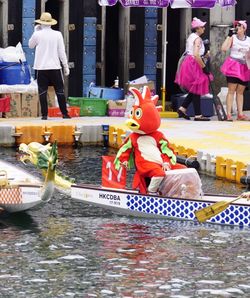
146, 146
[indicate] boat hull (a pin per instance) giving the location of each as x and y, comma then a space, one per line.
20, 198
20, 190
132, 203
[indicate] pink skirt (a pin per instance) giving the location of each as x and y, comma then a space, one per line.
233, 68
191, 77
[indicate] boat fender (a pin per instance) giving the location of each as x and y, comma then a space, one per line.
245, 180
190, 162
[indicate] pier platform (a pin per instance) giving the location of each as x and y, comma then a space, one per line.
222, 148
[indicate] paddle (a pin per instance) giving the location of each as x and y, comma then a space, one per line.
206, 213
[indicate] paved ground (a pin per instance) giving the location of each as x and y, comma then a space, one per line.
227, 139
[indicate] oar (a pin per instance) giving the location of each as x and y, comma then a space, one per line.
206, 213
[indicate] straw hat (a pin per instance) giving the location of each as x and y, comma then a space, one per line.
46, 19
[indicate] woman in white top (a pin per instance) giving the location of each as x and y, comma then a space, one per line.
192, 74
235, 67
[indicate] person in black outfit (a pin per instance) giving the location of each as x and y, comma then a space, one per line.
49, 56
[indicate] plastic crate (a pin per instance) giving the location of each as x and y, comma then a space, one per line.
72, 111
5, 104
116, 112
93, 107
74, 101
89, 106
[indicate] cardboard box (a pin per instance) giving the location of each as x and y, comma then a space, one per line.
150, 84
116, 108
15, 105
29, 105
117, 104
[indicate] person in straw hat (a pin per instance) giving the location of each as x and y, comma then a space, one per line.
49, 56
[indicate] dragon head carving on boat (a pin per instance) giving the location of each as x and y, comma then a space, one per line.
39, 155
20, 190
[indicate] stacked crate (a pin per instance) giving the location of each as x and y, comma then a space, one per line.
89, 52
28, 18
150, 43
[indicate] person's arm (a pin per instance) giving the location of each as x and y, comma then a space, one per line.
227, 44
197, 46
62, 54
33, 41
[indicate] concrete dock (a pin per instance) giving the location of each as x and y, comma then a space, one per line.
222, 148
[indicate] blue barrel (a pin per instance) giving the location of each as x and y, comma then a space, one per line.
12, 74
105, 92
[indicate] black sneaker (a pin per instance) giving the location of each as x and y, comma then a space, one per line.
66, 116
44, 118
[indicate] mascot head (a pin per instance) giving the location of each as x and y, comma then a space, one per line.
144, 117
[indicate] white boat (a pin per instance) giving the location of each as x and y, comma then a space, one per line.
129, 202
19, 190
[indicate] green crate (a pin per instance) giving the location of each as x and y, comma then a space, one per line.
89, 106
74, 101
93, 106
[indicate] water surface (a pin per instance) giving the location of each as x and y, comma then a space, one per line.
67, 249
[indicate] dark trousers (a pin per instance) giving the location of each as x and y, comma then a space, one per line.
196, 99
46, 78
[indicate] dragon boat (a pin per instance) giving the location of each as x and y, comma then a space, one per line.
132, 203
167, 189
20, 191
181, 197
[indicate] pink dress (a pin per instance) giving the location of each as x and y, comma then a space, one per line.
190, 75
235, 65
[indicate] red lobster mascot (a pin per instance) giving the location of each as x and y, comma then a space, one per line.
148, 146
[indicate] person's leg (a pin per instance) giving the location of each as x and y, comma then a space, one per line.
188, 99
42, 82
197, 104
197, 109
230, 97
56, 79
240, 100
182, 110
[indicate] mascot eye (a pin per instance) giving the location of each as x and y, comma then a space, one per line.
131, 114
138, 113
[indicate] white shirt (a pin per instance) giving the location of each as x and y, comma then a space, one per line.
239, 48
50, 49
190, 45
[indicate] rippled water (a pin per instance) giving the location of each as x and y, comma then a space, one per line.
67, 249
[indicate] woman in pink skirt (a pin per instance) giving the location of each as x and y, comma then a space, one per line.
235, 67
192, 74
